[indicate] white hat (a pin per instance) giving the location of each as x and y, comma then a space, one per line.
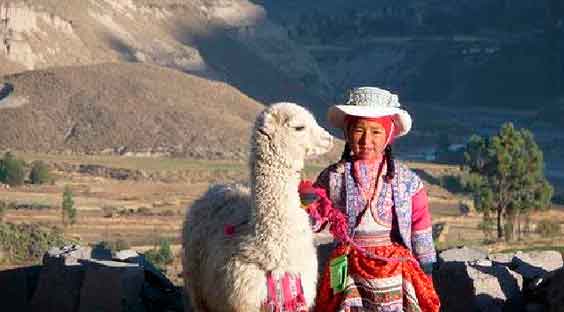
371, 102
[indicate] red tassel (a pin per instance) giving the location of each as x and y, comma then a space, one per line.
229, 230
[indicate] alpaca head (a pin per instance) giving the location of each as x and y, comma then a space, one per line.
287, 133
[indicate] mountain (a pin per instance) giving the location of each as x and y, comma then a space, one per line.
465, 52
229, 41
445, 59
124, 108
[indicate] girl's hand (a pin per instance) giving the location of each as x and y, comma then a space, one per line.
307, 194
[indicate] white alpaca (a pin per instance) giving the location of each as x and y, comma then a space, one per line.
272, 233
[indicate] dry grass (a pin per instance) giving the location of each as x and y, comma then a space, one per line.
133, 108
94, 194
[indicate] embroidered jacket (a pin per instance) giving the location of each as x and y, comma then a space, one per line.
410, 206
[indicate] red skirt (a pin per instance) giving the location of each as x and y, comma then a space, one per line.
375, 285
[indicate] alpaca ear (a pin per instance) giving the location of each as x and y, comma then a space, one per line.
271, 121
268, 123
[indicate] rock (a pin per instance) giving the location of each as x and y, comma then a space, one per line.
547, 291
536, 263
59, 285
75, 278
478, 286
553, 287
462, 254
69, 255
502, 258
535, 307
21, 283
159, 293
111, 286
123, 255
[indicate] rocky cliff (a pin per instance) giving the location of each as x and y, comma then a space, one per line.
231, 41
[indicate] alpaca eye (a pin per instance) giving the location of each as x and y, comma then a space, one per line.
299, 128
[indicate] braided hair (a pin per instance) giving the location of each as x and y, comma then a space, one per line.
391, 167
346, 155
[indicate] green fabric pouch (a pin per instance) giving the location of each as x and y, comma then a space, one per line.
338, 273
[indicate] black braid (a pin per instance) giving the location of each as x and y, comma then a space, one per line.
346, 155
391, 170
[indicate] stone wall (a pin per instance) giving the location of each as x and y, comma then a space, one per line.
82, 279
472, 280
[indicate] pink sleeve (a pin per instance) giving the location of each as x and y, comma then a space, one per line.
422, 231
420, 213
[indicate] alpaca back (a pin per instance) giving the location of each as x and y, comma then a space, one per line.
225, 272
207, 248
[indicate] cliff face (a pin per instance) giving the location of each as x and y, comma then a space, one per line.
220, 40
39, 35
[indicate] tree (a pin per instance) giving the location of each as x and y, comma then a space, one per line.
68, 208
3, 208
12, 170
505, 173
39, 173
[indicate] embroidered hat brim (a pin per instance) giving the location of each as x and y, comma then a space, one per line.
369, 106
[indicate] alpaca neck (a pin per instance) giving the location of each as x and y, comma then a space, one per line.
276, 202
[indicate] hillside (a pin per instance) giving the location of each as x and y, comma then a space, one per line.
229, 41
125, 108
460, 67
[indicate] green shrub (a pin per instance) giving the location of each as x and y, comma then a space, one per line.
23, 243
452, 183
3, 208
488, 227
547, 228
39, 173
12, 170
113, 246
161, 255
68, 208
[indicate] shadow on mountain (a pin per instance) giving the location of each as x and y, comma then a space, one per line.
126, 52
244, 69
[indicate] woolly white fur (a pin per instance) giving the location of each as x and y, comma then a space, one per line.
273, 233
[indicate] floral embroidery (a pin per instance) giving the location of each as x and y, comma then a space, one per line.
344, 193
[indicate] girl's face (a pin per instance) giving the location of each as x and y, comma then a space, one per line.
367, 139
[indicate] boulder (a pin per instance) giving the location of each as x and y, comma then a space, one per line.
480, 285
82, 279
111, 286
547, 291
554, 291
123, 255
58, 287
502, 258
21, 283
463, 254
535, 264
